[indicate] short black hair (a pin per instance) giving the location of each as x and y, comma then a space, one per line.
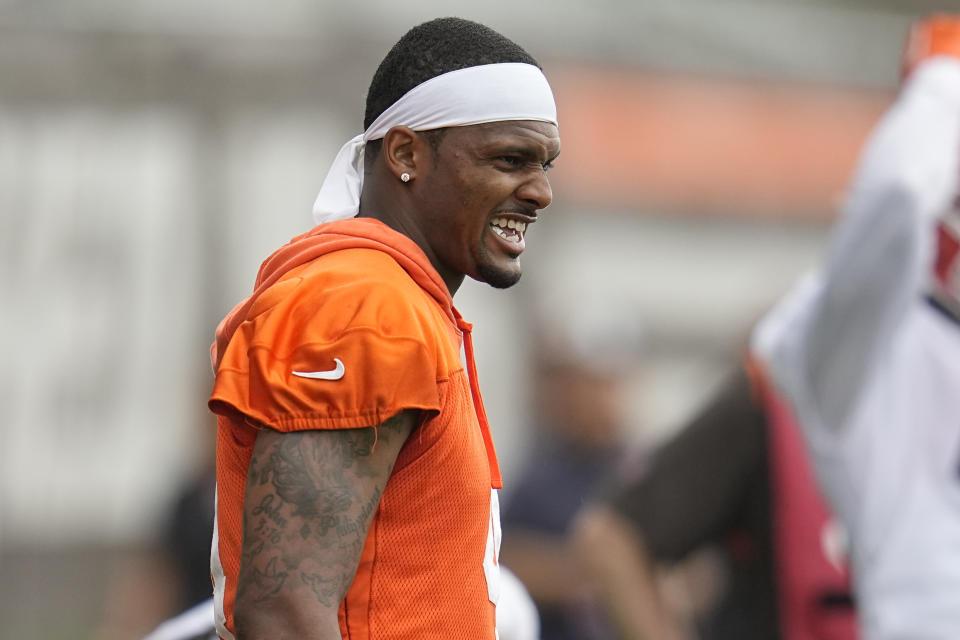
432, 49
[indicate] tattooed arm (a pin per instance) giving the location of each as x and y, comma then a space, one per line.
309, 501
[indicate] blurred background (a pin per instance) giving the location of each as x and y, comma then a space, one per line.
152, 153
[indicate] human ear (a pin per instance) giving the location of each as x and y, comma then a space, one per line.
402, 147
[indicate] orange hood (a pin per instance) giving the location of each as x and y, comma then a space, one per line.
327, 238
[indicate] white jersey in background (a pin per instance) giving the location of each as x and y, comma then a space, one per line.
873, 369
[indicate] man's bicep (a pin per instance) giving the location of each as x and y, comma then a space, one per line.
309, 501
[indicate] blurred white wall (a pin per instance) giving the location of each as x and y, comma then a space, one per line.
101, 298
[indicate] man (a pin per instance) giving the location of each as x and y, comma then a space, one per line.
868, 354
356, 478
733, 483
580, 432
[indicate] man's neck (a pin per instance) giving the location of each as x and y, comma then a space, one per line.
402, 221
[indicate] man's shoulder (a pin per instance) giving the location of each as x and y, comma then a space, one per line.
365, 258
360, 274
345, 290
361, 267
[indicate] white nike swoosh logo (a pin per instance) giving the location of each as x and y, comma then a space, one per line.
333, 374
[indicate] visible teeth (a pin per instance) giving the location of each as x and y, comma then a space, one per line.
503, 223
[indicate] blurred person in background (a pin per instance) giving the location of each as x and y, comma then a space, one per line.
734, 483
174, 573
867, 351
356, 476
581, 366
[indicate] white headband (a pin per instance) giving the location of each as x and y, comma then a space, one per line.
488, 93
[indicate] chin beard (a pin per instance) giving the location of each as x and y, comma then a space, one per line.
498, 278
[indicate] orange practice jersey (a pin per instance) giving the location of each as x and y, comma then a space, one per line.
356, 293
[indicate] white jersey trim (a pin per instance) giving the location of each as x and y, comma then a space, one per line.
219, 578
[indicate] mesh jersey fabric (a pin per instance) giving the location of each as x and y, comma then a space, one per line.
357, 291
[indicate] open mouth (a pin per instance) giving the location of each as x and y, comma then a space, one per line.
508, 229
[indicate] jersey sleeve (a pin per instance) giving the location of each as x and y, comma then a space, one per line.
829, 337
322, 354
